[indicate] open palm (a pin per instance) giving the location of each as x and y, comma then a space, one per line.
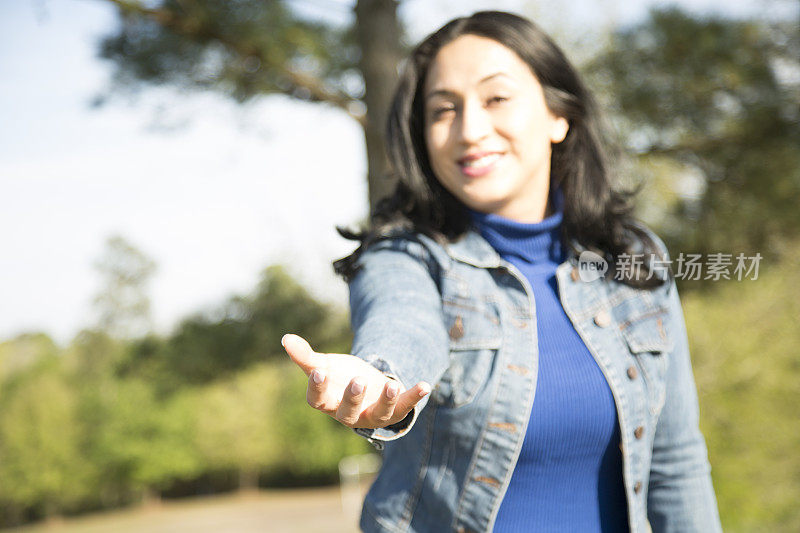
351, 390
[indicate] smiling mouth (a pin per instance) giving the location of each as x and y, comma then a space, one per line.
483, 161
479, 166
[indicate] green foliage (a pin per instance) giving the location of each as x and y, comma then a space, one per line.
311, 442
718, 98
244, 331
122, 304
281, 305
41, 461
236, 426
94, 355
241, 48
259, 421
744, 340
146, 442
25, 350
203, 349
108, 420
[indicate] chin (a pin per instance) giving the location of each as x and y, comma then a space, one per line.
483, 206
485, 200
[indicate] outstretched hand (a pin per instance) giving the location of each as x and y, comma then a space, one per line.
351, 390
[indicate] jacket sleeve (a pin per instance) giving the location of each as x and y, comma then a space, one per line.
397, 321
680, 493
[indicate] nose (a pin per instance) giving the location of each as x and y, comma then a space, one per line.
475, 122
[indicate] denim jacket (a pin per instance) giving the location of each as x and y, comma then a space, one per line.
463, 319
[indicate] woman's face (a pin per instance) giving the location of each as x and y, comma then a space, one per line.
488, 130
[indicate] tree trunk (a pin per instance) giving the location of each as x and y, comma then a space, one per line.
248, 480
151, 498
378, 34
52, 515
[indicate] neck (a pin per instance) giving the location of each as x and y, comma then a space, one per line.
538, 242
533, 211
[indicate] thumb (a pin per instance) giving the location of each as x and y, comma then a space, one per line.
300, 352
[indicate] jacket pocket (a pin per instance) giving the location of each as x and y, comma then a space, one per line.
475, 336
648, 338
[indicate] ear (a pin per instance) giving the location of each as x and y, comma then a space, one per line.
558, 129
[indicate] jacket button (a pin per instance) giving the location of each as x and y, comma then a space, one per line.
488, 480
602, 319
521, 370
660, 324
637, 488
457, 331
632, 373
638, 432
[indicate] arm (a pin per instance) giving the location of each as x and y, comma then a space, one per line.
680, 494
396, 317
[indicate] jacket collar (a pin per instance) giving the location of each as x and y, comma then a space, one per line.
471, 248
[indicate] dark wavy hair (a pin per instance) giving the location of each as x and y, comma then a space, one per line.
596, 216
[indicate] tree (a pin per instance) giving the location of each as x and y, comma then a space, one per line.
24, 351
245, 48
711, 106
122, 305
143, 442
43, 468
243, 331
236, 428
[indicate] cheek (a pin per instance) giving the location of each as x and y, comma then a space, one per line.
436, 143
524, 127
526, 130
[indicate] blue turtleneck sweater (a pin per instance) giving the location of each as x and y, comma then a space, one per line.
569, 473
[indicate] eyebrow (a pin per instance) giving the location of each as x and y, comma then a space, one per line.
447, 92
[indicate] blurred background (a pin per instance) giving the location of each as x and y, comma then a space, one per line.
171, 175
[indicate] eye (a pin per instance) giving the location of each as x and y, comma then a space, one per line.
441, 110
496, 100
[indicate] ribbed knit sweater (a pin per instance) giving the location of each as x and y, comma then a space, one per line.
569, 473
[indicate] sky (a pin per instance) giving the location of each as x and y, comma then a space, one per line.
212, 191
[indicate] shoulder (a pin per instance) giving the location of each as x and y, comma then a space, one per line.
647, 257
398, 261
397, 270
646, 241
403, 246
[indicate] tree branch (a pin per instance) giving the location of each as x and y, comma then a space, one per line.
191, 28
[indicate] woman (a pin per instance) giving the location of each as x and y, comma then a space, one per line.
560, 401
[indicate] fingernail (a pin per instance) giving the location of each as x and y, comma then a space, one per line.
391, 391
424, 390
317, 376
356, 388
283, 340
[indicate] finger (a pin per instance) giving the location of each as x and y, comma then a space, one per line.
300, 352
349, 409
380, 413
409, 399
317, 387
